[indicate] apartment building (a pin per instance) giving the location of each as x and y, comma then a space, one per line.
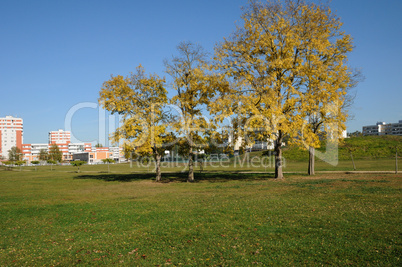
59, 137
31, 151
11, 134
62, 139
394, 128
382, 128
70, 151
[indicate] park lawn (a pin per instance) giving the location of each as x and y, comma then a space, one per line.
226, 219
258, 164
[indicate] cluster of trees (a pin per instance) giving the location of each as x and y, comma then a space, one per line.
14, 157
54, 154
282, 75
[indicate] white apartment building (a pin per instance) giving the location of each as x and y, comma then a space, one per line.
79, 147
382, 128
59, 137
11, 134
34, 148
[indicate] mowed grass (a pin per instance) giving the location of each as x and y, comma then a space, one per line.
64, 218
252, 163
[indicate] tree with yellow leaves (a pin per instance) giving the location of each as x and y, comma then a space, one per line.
269, 59
327, 81
140, 99
193, 84
325, 117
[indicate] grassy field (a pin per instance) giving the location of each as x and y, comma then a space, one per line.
63, 218
254, 163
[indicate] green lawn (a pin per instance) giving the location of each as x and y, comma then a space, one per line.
124, 218
255, 163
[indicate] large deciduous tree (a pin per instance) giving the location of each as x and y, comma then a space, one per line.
139, 99
327, 81
194, 87
280, 60
325, 117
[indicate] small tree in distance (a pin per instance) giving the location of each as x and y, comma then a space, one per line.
35, 162
14, 154
8, 165
55, 153
19, 163
43, 154
108, 161
78, 163
51, 162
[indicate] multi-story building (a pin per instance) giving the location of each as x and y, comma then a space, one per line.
70, 151
79, 147
59, 137
382, 128
394, 128
31, 151
378, 129
11, 134
62, 140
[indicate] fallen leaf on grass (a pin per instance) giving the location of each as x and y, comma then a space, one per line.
132, 252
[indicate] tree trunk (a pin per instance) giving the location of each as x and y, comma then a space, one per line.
158, 168
278, 159
190, 166
396, 161
311, 161
201, 165
354, 166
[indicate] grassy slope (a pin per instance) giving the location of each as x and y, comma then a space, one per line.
65, 218
366, 147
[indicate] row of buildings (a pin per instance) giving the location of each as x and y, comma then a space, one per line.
382, 128
11, 134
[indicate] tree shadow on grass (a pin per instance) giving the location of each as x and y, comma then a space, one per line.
211, 177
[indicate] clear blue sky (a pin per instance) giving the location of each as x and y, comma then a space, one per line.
56, 54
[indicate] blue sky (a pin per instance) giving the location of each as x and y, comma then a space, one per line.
55, 55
